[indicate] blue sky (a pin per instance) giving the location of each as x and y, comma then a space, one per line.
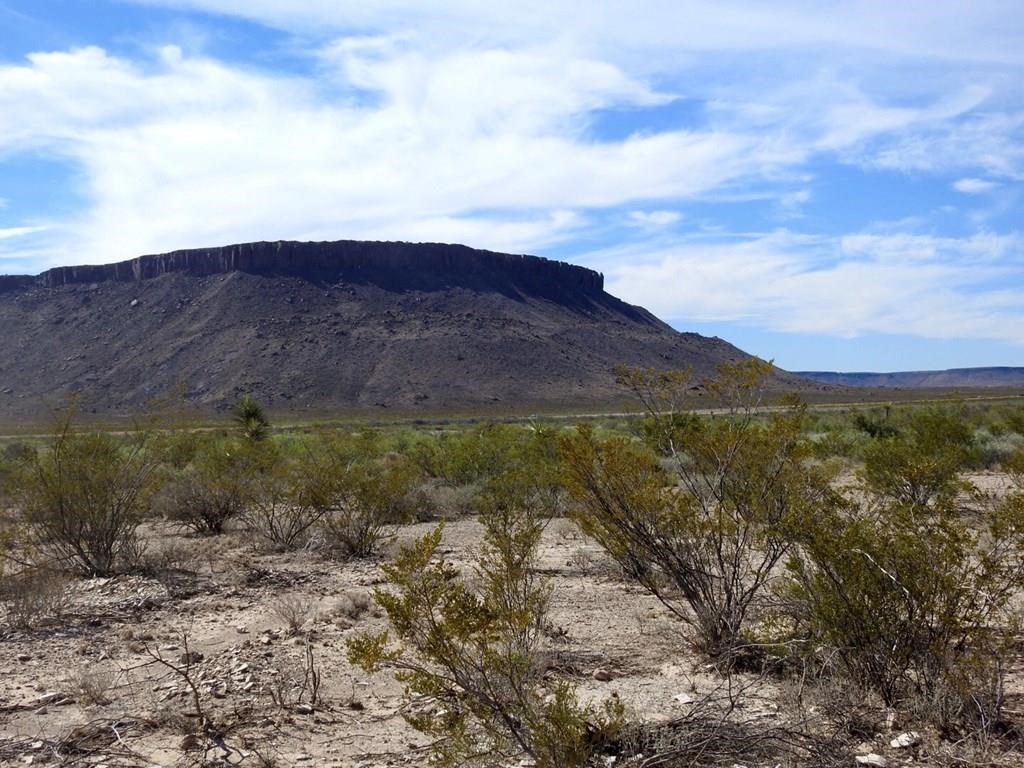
832, 185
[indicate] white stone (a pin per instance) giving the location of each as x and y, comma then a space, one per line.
904, 740
877, 761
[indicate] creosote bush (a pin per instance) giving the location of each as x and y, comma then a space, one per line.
363, 496
921, 463
475, 652
705, 534
82, 498
285, 502
212, 489
911, 598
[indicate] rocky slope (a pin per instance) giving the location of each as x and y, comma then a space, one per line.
322, 327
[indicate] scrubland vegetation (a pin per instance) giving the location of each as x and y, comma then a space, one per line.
860, 569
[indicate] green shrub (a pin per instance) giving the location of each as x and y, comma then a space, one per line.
921, 465
212, 489
82, 498
706, 538
910, 599
474, 654
362, 503
285, 498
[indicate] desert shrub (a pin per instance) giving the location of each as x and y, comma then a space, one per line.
363, 504
923, 462
706, 538
285, 500
910, 599
837, 442
876, 426
475, 653
82, 498
436, 500
353, 605
994, 450
179, 447
468, 456
1013, 465
93, 686
212, 489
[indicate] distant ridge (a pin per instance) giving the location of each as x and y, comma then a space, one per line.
319, 328
950, 378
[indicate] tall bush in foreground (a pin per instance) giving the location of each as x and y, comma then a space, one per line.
475, 652
704, 537
910, 596
82, 498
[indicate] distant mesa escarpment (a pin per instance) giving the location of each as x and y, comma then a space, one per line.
324, 328
951, 378
397, 265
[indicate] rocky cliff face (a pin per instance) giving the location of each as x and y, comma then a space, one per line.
383, 262
323, 328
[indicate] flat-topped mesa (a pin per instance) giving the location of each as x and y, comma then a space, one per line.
14, 282
390, 263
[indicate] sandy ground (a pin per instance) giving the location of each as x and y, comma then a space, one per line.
89, 691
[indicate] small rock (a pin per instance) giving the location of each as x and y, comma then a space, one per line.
682, 698
191, 742
303, 709
872, 759
23, 657
135, 303
904, 740
242, 630
602, 675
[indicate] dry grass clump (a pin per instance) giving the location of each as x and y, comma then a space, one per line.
94, 686
34, 597
295, 611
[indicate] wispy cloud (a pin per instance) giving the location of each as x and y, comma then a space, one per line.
6, 233
557, 125
654, 219
974, 186
935, 287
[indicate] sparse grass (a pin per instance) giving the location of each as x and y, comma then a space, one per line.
34, 597
295, 611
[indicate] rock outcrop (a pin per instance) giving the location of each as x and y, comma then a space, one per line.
356, 261
323, 328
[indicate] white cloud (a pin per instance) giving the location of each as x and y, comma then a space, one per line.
974, 186
6, 233
982, 31
845, 286
654, 219
187, 151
